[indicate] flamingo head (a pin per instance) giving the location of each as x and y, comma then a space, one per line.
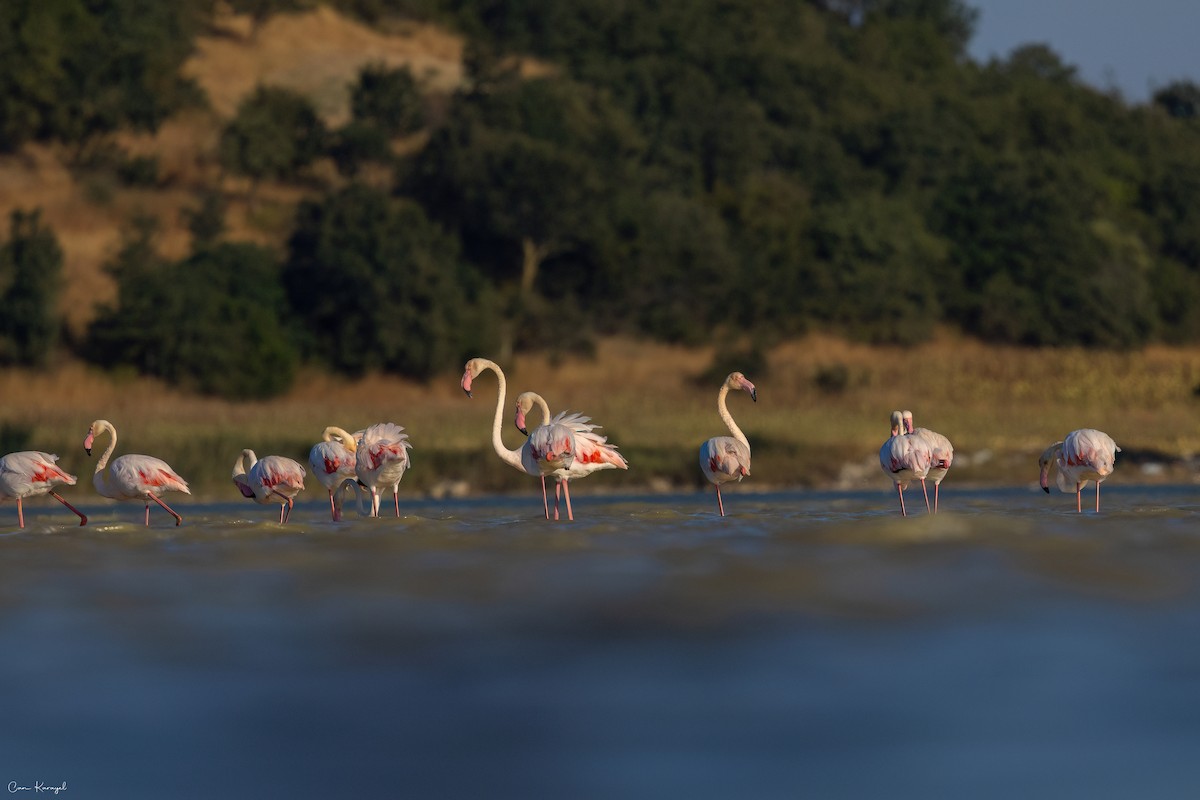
524, 403
897, 423
737, 380
1047, 458
907, 418
93, 430
470, 373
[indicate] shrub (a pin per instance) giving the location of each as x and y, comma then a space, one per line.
210, 323
30, 264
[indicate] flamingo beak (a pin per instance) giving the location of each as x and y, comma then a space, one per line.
466, 382
520, 421
87, 442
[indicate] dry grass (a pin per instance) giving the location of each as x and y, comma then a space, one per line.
317, 53
1005, 401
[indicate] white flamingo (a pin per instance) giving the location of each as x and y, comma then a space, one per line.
904, 458
333, 463
523, 458
31, 473
1085, 455
591, 452
271, 479
941, 451
727, 458
381, 459
132, 476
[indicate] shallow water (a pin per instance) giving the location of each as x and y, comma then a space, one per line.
808, 645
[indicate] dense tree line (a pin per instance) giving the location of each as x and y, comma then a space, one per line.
683, 170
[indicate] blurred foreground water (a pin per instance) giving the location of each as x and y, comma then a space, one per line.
809, 645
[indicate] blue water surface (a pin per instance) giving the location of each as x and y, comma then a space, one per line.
811, 644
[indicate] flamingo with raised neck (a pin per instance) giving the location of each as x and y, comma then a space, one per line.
727, 458
132, 476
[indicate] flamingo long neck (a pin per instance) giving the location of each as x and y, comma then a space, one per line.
543, 407
241, 466
727, 418
511, 457
346, 438
112, 445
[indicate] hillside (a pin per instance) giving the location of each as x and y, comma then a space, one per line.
318, 53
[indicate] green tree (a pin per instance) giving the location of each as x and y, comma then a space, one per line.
388, 98
378, 286
30, 266
275, 133
73, 70
211, 323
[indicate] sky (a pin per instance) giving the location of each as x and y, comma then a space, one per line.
1135, 46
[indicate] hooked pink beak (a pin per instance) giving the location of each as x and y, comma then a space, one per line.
520, 421
466, 382
87, 442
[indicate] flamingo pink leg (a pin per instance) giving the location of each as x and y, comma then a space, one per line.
1097, 497
900, 492
557, 489
20, 513
167, 508
720, 505
333, 506
545, 501
925, 492
1078, 501
285, 511
935, 497
396, 497
55, 495
567, 493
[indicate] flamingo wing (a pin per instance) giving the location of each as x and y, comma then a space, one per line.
278, 474
331, 463
138, 475
31, 472
724, 458
592, 451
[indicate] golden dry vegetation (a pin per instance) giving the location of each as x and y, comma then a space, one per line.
1000, 407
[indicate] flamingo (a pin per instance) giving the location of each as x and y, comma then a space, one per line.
333, 463
271, 479
1085, 455
591, 451
905, 457
31, 473
132, 477
727, 458
381, 458
941, 450
522, 459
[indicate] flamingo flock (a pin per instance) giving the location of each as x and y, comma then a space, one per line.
564, 446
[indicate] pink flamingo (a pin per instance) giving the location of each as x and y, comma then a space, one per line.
1085, 455
132, 477
727, 458
333, 463
31, 473
905, 457
272, 479
380, 461
941, 450
521, 459
590, 451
